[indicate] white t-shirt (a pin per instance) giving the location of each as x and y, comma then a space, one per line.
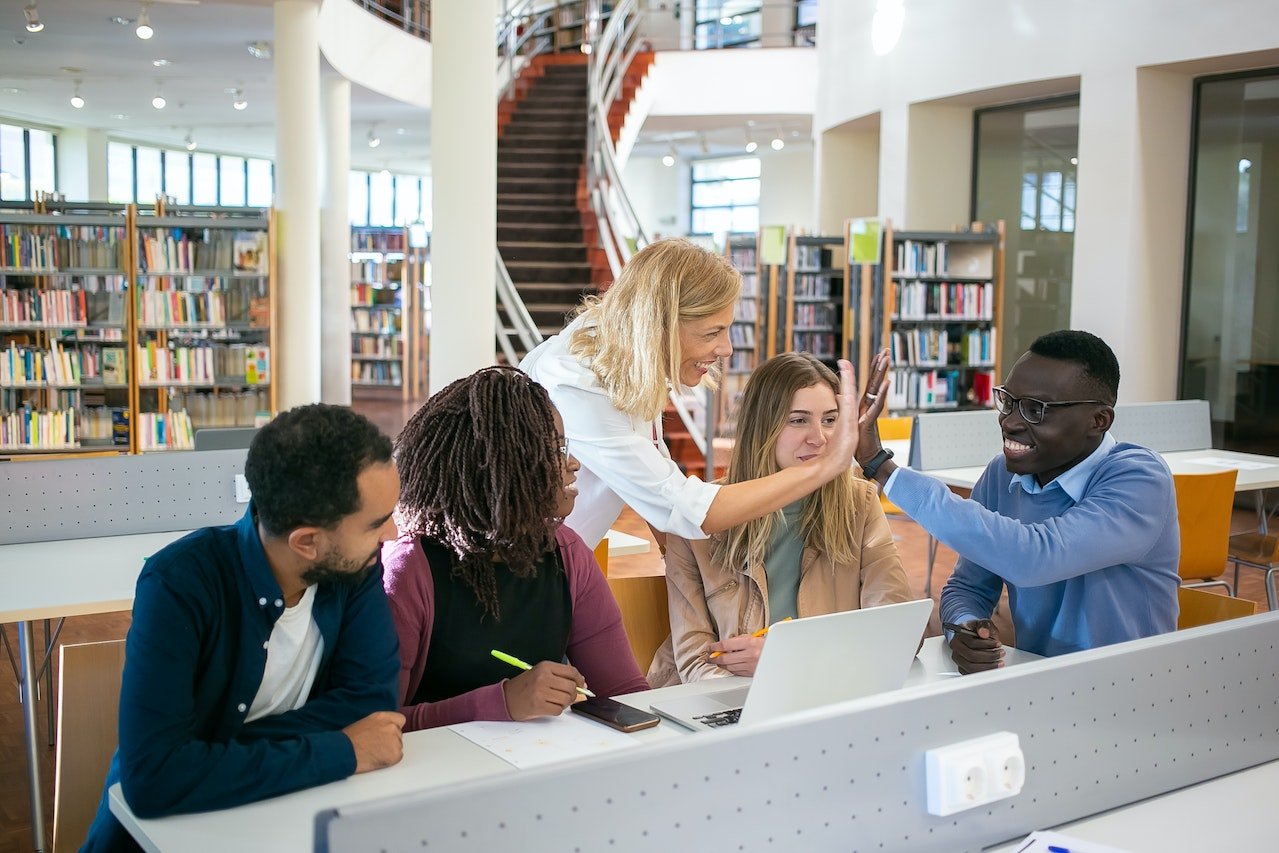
621, 461
292, 660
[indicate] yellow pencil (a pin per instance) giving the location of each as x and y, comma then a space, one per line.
760, 633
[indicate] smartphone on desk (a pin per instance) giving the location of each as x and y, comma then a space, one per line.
612, 713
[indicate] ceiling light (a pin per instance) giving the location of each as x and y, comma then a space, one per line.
726, 21
158, 101
1074, 161
399, 131
119, 116
33, 17
11, 90
239, 102
76, 100
374, 139
586, 48
751, 145
191, 143
161, 63
386, 173
668, 159
121, 20
144, 29
259, 49
778, 143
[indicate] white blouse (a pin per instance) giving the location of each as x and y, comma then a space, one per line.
624, 460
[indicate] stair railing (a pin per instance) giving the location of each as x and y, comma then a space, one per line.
613, 48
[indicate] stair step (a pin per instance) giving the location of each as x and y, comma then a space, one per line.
569, 233
542, 200
554, 156
539, 140
511, 214
537, 170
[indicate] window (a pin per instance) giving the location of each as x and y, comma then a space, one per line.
27, 162
177, 176
728, 23
140, 173
725, 196
261, 183
232, 182
357, 190
381, 198
408, 199
150, 174
204, 179
120, 173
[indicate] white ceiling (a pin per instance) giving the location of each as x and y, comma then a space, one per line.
207, 46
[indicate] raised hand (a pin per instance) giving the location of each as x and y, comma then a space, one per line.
873, 400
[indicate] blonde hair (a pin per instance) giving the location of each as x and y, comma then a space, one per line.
826, 520
630, 336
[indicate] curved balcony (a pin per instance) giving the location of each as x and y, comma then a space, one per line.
381, 46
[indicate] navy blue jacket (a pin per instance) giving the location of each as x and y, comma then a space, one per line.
203, 612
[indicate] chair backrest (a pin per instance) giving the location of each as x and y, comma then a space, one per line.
895, 429
1204, 506
88, 710
1199, 607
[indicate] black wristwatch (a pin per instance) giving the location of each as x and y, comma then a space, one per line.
869, 469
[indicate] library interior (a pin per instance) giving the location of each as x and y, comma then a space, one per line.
216, 212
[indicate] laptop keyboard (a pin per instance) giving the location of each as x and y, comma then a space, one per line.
720, 718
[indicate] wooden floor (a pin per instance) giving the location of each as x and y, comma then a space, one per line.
390, 416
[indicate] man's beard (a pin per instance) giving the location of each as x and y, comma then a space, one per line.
336, 569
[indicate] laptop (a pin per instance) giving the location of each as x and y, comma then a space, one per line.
808, 663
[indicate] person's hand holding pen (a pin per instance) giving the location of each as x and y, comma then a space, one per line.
544, 689
740, 655
975, 645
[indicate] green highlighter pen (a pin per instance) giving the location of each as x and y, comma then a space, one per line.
516, 662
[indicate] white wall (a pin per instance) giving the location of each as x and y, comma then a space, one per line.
767, 81
372, 52
1133, 63
659, 194
786, 188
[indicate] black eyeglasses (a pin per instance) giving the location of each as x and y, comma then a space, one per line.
1032, 410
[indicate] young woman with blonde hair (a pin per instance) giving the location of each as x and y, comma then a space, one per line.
827, 552
664, 323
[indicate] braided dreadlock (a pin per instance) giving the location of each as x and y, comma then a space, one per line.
479, 473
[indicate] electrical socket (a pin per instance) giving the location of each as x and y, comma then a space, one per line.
242, 493
974, 772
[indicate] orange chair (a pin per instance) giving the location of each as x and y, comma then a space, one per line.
893, 429
1204, 506
1203, 608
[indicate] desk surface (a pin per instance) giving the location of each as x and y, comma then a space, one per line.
432, 758
1175, 822
1182, 462
75, 577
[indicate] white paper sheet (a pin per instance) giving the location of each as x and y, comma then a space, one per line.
1225, 462
545, 740
1044, 842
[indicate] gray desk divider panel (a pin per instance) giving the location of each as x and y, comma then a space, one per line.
118, 495
955, 440
1099, 729
1165, 427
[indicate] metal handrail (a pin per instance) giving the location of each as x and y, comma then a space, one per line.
509, 300
412, 16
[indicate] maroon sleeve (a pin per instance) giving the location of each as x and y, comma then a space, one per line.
411, 592
597, 643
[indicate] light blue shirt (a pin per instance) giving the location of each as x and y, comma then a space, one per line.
1088, 560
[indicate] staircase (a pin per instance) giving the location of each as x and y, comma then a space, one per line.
544, 226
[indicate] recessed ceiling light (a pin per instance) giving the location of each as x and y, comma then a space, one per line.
400, 131
119, 116
10, 90
122, 21
259, 49
161, 63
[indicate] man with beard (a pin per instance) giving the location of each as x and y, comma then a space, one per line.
262, 658
1081, 528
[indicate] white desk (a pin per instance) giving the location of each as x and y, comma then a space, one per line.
1233, 812
78, 577
432, 758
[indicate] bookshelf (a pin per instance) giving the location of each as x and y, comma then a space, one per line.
746, 333
815, 297
942, 310
64, 367
390, 307
203, 323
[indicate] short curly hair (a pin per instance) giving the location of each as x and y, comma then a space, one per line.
1100, 367
302, 466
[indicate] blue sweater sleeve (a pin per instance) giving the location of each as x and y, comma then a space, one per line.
362, 676
165, 767
1113, 524
971, 590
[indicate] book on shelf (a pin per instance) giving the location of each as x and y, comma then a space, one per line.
31, 429
257, 366
165, 431
251, 252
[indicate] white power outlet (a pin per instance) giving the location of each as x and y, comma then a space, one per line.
974, 772
242, 493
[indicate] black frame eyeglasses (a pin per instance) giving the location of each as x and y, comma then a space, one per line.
1004, 403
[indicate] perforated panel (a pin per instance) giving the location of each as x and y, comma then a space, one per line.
118, 495
1099, 729
954, 440
1165, 427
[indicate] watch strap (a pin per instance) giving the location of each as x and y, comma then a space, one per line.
874, 463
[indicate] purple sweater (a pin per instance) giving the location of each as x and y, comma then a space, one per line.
597, 643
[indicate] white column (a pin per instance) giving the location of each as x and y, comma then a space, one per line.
464, 198
894, 125
1134, 154
297, 199
335, 271
82, 164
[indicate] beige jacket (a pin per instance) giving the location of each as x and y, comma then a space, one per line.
709, 601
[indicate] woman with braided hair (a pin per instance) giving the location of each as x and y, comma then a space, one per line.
484, 562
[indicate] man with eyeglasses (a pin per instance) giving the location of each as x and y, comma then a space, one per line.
1080, 528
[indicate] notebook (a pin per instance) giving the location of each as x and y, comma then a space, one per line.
808, 663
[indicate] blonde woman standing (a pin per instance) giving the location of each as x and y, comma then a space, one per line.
664, 322
826, 552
